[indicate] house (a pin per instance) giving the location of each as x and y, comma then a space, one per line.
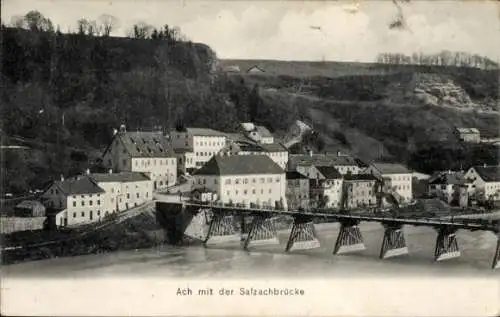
449, 186
231, 69
486, 181
243, 179
471, 135
146, 152
345, 164
297, 190
29, 208
255, 70
257, 133
238, 144
359, 190
326, 189
395, 178
196, 146
90, 197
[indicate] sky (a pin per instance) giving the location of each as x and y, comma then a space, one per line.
273, 29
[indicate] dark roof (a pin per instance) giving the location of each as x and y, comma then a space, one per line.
146, 144
204, 132
239, 165
390, 168
329, 172
273, 147
295, 175
489, 173
359, 177
450, 178
323, 160
122, 177
78, 185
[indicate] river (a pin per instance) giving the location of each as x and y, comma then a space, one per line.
230, 261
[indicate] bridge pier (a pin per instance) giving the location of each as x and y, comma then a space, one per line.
303, 235
393, 243
349, 238
222, 229
446, 244
262, 231
496, 257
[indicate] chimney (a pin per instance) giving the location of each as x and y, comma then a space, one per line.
115, 132
123, 128
87, 171
62, 178
310, 153
110, 171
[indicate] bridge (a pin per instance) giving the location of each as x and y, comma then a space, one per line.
229, 224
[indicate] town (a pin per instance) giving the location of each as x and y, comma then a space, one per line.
246, 169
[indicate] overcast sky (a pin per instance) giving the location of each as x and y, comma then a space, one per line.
281, 29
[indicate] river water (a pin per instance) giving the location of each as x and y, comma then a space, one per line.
230, 261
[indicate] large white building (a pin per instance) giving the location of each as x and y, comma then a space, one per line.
196, 146
146, 152
90, 197
395, 177
326, 189
447, 186
243, 179
486, 181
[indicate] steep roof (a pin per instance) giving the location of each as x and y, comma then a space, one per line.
390, 168
322, 160
449, 178
263, 131
489, 173
146, 144
122, 177
78, 185
204, 132
295, 175
239, 165
329, 172
467, 130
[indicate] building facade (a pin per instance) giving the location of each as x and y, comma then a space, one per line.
145, 152
297, 191
243, 180
449, 186
90, 197
197, 145
345, 164
470, 135
326, 189
485, 181
359, 191
395, 178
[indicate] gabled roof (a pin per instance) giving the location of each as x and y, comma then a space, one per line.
255, 67
488, 173
295, 175
329, 172
204, 132
263, 131
322, 160
448, 178
145, 144
390, 168
78, 185
239, 165
122, 177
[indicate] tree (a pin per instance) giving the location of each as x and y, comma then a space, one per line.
142, 30
108, 23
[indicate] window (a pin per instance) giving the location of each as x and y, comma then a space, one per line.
83, 213
83, 203
236, 192
269, 179
245, 192
253, 180
124, 162
228, 181
74, 215
237, 181
128, 196
90, 202
137, 195
253, 191
270, 191
262, 180
245, 180
74, 204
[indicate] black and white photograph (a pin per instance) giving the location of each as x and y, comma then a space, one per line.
250, 141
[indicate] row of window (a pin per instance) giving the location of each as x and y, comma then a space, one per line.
245, 192
208, 143
148, 162
262, 180
401, 178
83, 196
209, 154
111, 199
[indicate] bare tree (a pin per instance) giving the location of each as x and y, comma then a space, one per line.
108, 23
82, 26
142, 30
